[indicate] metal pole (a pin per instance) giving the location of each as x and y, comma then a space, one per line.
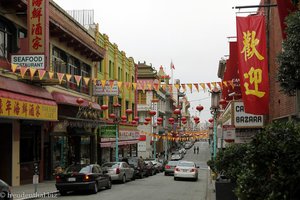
117, 142
215, 135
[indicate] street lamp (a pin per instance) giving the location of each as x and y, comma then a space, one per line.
116, 110
215, 99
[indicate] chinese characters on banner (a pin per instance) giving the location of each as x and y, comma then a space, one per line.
27, 110
253, 66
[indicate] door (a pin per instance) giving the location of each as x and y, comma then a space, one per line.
6, 153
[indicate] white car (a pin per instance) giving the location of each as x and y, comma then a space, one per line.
186, 169
119, 171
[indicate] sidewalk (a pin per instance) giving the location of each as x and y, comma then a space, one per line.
211, 193
45, 189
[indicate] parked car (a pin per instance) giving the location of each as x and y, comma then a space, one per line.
158, 166
139, 166
82, 177
186, 169
5, 190
119, 171
150, 168
176, 156
170, 166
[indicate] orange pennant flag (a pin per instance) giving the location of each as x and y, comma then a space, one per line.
202, 85
214, 84
231, 83
86, 80
190, 86
208, 85
225, 83
23, 70
149, 86
196, 86
143, 86
103, 82
220, 85
51, 74
32, 72
155, 85
120, 85
60, 77
111, 84
68, 76
41, 73
177, 86
134, 86
77, 79
13, 67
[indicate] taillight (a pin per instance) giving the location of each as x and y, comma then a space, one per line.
118, 171
86, 178
58, 179
177, 169
167, 166
193, 170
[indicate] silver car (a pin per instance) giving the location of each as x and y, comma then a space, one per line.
170, 166
119, 171
186, 169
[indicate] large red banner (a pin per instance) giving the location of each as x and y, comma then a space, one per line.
253, 64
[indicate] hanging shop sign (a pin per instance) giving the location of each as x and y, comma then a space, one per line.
129, 135
228, 132
245, 120
142, 146
106, 88
33, 61
13, 108
108, 131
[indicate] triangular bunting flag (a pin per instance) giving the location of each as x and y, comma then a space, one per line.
77, 79
23, 70
68, 76
60, 77
190, 86
41, 73
208, 85
163, 86
32, 72
51, 74
149, 85
231, 83
129, 85
177, 86
134, 86
155, 86
214, 84
86, 80
143, 86
111, 84
225, 83
202, 85
13, 67
220, 85
103, 82
196, 86
120, 85
183, 87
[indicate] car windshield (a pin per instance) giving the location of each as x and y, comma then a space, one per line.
172, 162
186, 164
78, 169
111, 165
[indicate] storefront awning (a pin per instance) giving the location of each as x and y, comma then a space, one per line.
120, 143
67, 99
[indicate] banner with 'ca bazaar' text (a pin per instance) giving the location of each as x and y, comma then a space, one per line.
253, 64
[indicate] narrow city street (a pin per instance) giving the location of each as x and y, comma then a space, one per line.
158, 186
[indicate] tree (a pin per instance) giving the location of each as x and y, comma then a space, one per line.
289, 59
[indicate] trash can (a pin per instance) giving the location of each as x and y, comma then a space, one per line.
224, 189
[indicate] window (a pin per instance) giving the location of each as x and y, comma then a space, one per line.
141, 97
5, 40
110, 69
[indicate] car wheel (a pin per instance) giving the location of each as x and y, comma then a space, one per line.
124, 179
175, 178
142, 175
62, 192
108, 184
133, 177
166, 174
95, 189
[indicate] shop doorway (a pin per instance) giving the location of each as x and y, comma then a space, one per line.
6, 153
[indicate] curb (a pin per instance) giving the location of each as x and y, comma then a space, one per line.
42, 195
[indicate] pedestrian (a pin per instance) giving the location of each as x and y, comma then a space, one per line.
194, 149
197, 150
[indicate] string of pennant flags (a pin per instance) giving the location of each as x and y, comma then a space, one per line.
187, 135
140, 85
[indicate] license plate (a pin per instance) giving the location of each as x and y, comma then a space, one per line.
72, 179
184, 170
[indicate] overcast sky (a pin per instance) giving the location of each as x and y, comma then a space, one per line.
192, 33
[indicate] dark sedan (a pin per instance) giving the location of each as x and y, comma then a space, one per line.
151, 170
5, 192
82, 178
139, 166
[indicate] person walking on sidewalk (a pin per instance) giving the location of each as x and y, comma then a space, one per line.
197, 150
194, 149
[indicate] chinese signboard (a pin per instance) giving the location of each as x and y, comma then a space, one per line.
129, 134
245, 120
110, 89
108, 131
35, 61
12, 108
253, 66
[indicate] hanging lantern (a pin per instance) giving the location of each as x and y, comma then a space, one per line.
79, 100
136, 119
116, 105
133, 122
197, 122
222, 102
211, 120
196, 118
177, 111
199, 108
146, 123
112, 115
104, 107
148, 119
184, 122
128, 111
183, 118
152, 112
159, 119
124, 117
159, 122
171, 119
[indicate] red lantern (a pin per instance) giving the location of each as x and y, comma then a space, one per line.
171, 119
124, 118
196, 118
116, 105
177, 111
128, 111
80, 101
148, 119
159, 122
197, 122
152, 112
229, 140
136, 119
104, 107
159, 119
184, 122
146, 123
211, 120
133, 122
112, 116
183, 118
199, 108
222, 102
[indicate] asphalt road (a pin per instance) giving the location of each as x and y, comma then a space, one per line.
158, 187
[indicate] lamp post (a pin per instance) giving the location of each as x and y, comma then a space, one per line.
116, 111
215, 98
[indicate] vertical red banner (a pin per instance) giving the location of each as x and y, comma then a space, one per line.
253, 64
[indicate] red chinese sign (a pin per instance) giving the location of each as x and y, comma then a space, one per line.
253, 64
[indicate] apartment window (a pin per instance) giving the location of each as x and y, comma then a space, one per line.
59, 60
5, 40
100, 70
141, 97
119, 73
